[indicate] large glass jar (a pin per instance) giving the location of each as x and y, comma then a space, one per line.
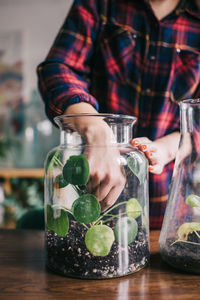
83, 240
180, 235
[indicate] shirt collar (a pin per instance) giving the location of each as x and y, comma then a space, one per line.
188, 6
192, 8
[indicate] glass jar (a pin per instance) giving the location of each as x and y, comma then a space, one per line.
180, 234
83, 239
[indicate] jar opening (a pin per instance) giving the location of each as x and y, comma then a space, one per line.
191, 102
116, 118
121, 126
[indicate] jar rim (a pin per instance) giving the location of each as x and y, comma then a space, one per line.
57, 119
190, 102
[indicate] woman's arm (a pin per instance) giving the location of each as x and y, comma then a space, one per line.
64, 77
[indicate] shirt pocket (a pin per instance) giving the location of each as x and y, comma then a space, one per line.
114, 55
185, 75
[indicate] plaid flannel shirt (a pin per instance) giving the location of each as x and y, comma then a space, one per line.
117, 56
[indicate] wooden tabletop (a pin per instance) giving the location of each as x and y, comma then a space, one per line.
23, 275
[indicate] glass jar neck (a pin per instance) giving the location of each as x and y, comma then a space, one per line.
190, 116
121, 128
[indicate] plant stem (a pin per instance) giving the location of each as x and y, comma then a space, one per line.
197, 234
58, 161
114, 216
85, 225
77, 190
187, 242
62, 207
110, 210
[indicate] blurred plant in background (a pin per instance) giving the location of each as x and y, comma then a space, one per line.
2, 148
27, 134
27, 196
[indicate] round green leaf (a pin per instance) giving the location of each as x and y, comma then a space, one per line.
99, 240
193, 200
133, 208
137, 163
60, 224
76, 170
126, 230
186, 228
86, 209
60, 182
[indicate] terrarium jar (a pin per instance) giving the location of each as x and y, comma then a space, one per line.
180, 234
83, 238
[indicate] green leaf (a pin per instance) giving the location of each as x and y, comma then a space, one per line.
193, 200
76, 170
60, 182
126, 230
86, 209
133, 208
99, 240
53, 161
187, 228
138, 165
59, 224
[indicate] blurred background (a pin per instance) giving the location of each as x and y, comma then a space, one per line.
27, 30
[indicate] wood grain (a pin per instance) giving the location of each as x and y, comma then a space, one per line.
23, 275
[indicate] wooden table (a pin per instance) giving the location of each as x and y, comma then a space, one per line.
23, 275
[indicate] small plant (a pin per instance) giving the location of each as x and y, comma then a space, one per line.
189, 227
26, 196
86, 208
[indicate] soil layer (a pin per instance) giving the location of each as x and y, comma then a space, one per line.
183, 256
70, 257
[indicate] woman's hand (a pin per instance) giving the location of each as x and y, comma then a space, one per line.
106, 175
106, 179
159, 152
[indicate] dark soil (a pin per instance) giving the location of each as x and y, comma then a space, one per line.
183, 256
70, 257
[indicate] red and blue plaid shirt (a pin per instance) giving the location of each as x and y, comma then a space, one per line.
117, 56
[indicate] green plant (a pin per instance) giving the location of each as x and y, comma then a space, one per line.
189, 227
26, 195
86, 208
2, 148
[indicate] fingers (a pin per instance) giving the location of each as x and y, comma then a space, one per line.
103, 189
139, 141
151, 152
156, 169
107, 188
107, 183
93, 183
146, 146
110, 199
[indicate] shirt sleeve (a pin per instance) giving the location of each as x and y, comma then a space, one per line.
197, 92
64, 76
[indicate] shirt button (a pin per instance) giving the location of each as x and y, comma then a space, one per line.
148, 91
152, 57
143, 124
178, 50
134, 35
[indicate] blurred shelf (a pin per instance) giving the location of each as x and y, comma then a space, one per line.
21, 173
7, 174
